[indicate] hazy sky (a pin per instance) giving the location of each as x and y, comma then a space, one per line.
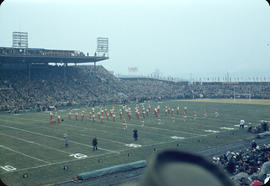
177, 37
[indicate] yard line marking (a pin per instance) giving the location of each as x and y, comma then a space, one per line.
7, 148
145, 126
36, 133
32, 142
109, 126
57, 163
82, 130
105, 139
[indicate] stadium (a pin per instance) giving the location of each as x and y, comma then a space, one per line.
67, 120
40, 103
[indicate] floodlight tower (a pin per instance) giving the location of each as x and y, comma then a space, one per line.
20, 39
102, 47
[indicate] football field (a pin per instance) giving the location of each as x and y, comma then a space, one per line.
33, 151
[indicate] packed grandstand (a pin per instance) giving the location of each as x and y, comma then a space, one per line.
71, 86
56, 86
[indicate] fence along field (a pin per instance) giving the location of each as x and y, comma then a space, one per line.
32, 151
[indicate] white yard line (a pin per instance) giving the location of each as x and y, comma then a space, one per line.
145, 126
72, 141
106, 139
56, 163
32, 142
7, 148
109, 126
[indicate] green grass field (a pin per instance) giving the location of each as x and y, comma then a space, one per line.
30, 146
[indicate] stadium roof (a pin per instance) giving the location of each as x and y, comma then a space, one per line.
39, 55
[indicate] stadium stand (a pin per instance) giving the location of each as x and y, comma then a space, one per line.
88, 85
247, 165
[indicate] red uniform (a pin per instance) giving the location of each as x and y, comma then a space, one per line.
51, 116
185, 112
101, 117
82, 116
125, 124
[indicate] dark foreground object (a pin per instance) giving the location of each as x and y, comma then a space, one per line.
112, 170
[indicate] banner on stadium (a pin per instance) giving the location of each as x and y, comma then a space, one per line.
132, 69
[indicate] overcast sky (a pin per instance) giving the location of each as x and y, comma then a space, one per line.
177, 37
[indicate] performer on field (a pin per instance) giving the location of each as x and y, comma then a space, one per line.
142, 119
216, 113
95, 143
66, 140
194, 115
58, 118
93, 117
101, 118
242, 123
51, 116
125, 124
177, 110
90, 115
135, 134
76, 115
69, 115
82, 115
185, 112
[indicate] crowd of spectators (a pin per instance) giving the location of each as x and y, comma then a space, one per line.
248, 165
57, 86
255, 90
88, 85
147, 89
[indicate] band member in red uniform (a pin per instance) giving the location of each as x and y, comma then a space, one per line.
216, 113
101, 118
125, 124
194, 115
137, 115
58, 118
98, 115
51, 116
185, 112
143, 114
129, 116
121, 114
82, 115
172, 112
90, 115
93, 117
76, 115
177, 110
142, 119
69, 115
